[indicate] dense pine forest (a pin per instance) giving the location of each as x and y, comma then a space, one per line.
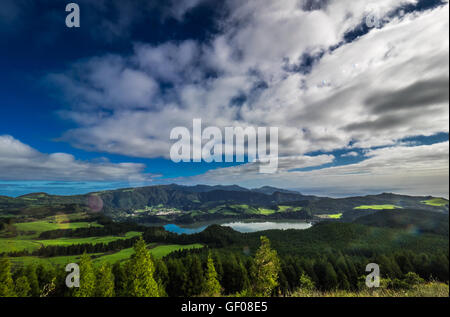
215, 273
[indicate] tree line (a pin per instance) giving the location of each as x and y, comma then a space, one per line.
140, 276
206, 272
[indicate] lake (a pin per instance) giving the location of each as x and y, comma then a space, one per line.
241, 226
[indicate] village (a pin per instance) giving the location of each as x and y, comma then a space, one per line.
155, 211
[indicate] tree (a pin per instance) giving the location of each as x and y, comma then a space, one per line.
161, 276
105, 282
178, 277
343, 282
212, 286
327, 275
413, 279
267, 268
6, 281
120, 279
87, 278
32, 280
22, 287
140, 279
196, 275
306, 283
234, 274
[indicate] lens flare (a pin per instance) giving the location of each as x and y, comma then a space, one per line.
95, 203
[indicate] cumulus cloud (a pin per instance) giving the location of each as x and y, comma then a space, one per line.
286, 64
366, 92
284, 164
19, 161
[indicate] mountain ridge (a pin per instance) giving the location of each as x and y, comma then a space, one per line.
180, 203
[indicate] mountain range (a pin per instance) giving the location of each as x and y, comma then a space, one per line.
179, 203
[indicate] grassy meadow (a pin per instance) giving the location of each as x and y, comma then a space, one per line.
38, 227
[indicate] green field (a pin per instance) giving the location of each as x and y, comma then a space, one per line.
377, 207
57, 260
264, 211
158, 251
45, 225
29, 244
289, 208
92, 240
163, 250
246, 209
436, 202
14, 245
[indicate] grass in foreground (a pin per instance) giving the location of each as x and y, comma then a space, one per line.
431, 289
377, 207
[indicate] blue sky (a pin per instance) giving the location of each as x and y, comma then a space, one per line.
360, 109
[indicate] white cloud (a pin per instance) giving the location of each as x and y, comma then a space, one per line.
350, 154
240, 79
417, 170
285, 164
19, 161
389, 84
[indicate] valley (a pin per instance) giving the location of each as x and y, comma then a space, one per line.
329, 240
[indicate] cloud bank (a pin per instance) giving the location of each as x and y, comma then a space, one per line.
19, 161
362, 94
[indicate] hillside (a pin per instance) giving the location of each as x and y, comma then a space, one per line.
416, 221
184, 204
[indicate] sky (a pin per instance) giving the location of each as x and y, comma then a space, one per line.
357, 89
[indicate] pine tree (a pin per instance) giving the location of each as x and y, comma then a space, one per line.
161, 276
343, 280
212, 286
33, 280
140, 277
120, 279
327, 274
87, 278
267, 268
6, 281
196, 275
105, 282
22, 287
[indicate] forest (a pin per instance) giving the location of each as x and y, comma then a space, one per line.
327, 257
